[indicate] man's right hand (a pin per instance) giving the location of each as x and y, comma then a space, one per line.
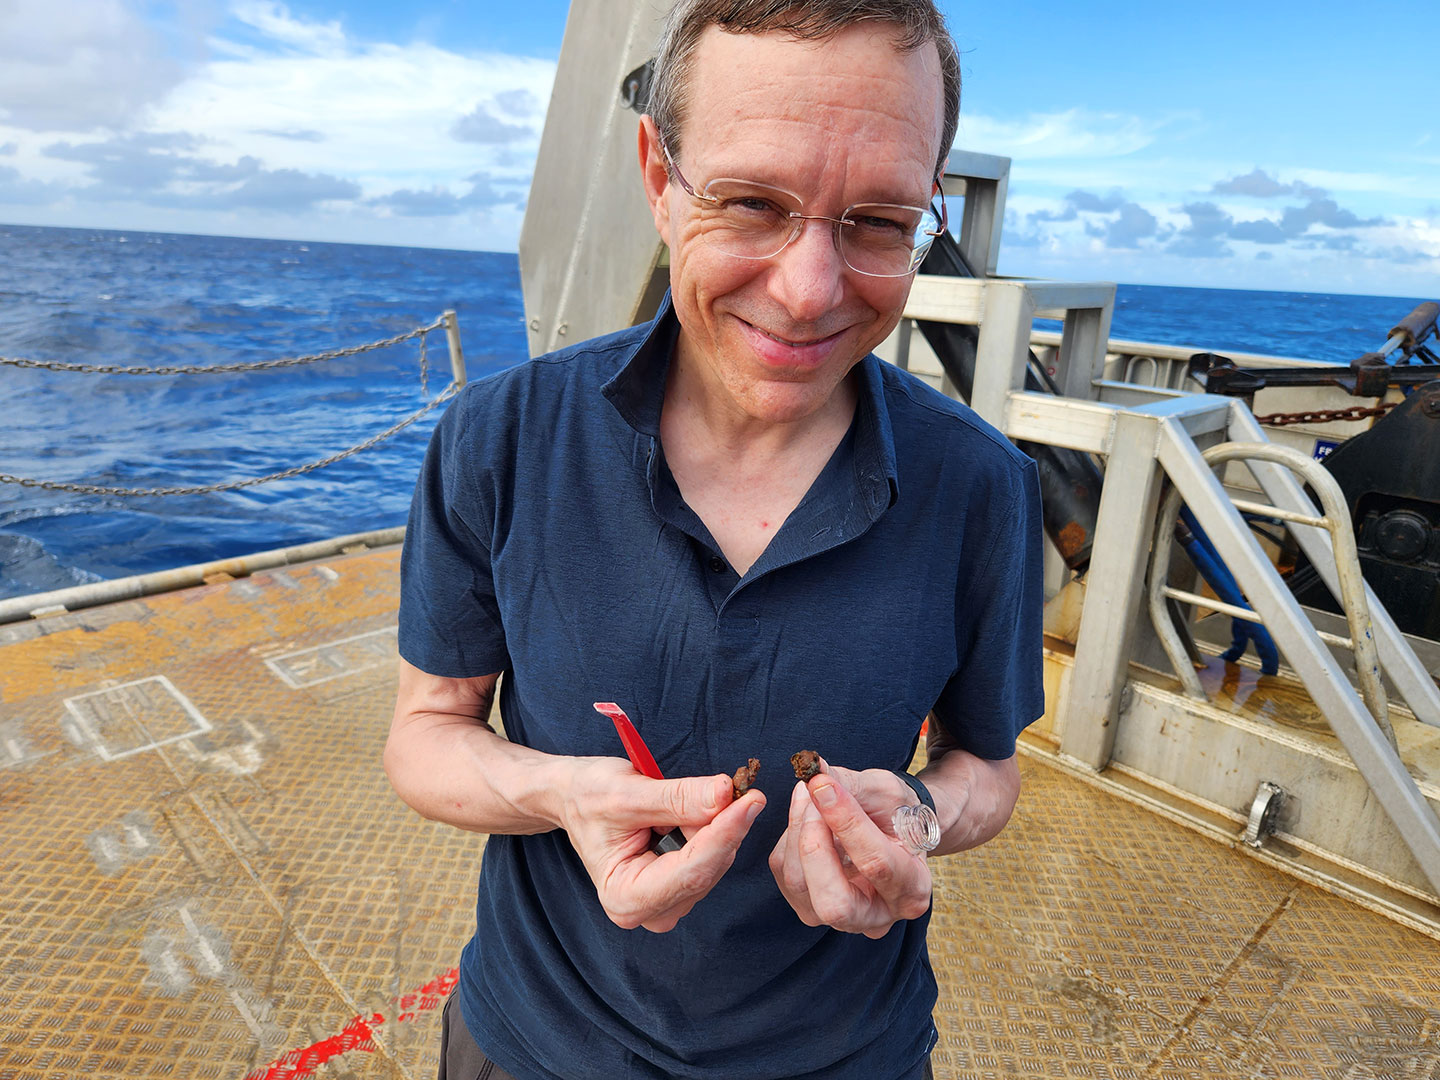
609, 810
446, 762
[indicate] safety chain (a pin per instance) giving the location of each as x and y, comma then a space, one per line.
234, 485
224, 369
1355, 412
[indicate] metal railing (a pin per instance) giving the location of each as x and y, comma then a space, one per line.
1336, 522
1158, 436
447, 320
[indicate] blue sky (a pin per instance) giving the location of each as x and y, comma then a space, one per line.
1250, 145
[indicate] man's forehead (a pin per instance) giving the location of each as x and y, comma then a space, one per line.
847, 97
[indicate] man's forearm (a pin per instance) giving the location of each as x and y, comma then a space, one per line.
464, 774
974, 797
446, 763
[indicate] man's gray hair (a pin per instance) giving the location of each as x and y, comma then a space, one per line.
915, 23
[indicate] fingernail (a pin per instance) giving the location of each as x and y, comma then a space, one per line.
752, 813
823, 794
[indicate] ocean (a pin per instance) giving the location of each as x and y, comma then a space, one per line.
145, 299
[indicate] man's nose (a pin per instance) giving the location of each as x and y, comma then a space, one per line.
809, 274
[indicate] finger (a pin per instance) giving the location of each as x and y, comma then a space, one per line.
879, 791
646, 888
693, 801
744, 811
901, 879
785, 860
838, 899
796, 886
667, 920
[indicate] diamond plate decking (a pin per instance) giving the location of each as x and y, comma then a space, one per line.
204, 873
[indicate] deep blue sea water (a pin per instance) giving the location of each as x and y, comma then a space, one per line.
131, 298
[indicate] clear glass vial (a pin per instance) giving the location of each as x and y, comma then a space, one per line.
917, 828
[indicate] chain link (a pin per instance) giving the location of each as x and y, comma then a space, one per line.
235, 485
1324, 416
262, 365
223, 369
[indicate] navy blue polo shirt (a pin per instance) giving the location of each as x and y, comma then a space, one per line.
549, 541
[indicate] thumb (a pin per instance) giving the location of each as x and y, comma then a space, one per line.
843, 814
693, 800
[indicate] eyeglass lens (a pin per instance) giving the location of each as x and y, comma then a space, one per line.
752, 221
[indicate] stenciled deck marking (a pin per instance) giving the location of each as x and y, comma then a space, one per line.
131, 718
358, 1034
335, 659
115, 847
15, 747
237, 759
202, 951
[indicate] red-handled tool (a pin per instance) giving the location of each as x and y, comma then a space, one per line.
640, 755
644, 762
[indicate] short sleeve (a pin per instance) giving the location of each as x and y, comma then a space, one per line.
998, 685
450, 622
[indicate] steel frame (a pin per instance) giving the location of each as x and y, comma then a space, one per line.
1143, 445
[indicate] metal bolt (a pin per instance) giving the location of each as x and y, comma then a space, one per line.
535, 324
562, 328
1430, 403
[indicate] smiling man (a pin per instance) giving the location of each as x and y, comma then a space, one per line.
757, 538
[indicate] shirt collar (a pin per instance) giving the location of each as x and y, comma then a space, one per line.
637, 391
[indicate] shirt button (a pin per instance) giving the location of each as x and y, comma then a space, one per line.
716, 563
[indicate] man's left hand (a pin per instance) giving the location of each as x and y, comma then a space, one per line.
838, 863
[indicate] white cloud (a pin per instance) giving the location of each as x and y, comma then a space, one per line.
1074, 133
1421, 235
384, 112
79, 65
274, 22
284, 112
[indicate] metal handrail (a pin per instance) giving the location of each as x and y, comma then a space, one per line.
1336, 521
114, 590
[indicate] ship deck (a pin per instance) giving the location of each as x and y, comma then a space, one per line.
205, 874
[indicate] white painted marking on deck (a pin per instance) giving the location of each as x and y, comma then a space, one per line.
115, 847
17, 749
147, 705
335, 659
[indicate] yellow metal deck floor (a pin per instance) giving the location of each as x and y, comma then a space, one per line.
204, 874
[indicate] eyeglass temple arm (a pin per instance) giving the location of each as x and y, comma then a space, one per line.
674, 171
944, 214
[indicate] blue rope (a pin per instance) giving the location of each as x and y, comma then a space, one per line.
1217, 575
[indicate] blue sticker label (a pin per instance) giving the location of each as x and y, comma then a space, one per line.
1323, 449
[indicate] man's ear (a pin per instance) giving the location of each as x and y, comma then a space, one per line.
655, 175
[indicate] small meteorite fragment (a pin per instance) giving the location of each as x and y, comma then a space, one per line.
806, 764
744, 778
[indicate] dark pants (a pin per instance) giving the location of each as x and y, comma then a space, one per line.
461, 1059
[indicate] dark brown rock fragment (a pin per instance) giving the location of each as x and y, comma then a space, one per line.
744, 778
806, 764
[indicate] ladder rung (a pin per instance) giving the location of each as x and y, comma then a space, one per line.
1212, 604
1234, 612
1266, 510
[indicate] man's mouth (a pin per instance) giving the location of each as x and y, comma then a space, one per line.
784, 351
794, 343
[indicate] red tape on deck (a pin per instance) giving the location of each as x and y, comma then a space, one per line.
358, 1034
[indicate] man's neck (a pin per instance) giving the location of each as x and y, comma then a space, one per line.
742, 475
698, 407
